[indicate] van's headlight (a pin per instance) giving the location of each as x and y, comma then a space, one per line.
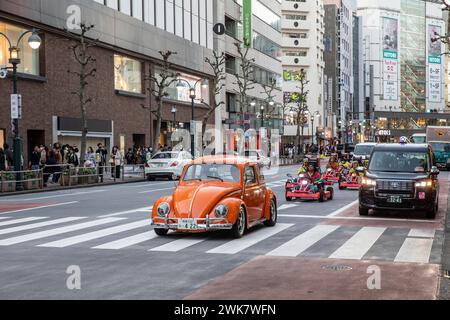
424, 183
163, 209
369, 182
222, 211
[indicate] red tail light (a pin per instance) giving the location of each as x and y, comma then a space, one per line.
174, 164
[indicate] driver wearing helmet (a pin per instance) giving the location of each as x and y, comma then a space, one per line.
304, 167
314, 175
354, 168
333, 163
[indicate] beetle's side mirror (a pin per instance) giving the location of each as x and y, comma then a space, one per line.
434, 171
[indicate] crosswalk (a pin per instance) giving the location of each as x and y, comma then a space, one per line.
283, 240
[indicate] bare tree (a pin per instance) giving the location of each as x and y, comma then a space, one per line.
217, 64
86, 63
271, 107
159, 83
244, 76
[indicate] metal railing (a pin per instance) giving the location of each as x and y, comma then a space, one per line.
64, 175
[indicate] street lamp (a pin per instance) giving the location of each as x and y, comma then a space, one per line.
34, 42
174, 112
192, 94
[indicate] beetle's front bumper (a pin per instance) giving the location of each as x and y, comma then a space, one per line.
202, 224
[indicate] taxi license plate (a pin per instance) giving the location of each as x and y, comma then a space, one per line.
395, 199
187, 224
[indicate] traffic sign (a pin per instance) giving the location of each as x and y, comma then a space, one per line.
219, 29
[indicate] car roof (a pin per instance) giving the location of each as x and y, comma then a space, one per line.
401, 147
219, 159
367, 144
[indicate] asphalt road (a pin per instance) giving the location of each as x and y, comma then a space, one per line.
106, 233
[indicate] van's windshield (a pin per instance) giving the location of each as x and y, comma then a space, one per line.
400, 161
440, 146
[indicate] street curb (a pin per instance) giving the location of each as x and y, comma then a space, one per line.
444, 282
105, 184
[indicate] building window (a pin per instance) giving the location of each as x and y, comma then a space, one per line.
127, 74
29, 58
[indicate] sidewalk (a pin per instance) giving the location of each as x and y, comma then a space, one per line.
444, 284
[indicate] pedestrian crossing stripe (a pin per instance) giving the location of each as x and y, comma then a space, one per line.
414, 246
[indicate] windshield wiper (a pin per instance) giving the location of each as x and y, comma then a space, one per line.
217, 178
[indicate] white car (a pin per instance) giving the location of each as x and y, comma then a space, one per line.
259, 157
167, 165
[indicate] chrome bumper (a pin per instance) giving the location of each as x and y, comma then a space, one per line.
209, 224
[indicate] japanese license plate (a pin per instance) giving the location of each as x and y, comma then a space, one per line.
394, 199
187, 224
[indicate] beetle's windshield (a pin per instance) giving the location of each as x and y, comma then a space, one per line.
210, 171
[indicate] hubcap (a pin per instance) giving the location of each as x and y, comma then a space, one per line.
241, 222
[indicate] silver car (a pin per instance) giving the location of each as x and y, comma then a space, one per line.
167, 165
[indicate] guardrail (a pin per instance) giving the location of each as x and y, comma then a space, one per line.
52, 176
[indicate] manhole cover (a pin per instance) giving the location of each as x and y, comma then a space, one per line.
337, 268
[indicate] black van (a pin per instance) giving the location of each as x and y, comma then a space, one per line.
400, 177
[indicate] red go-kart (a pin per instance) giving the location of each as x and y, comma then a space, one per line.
349, 181
331, 177
302, 188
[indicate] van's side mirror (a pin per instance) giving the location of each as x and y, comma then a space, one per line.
434, 171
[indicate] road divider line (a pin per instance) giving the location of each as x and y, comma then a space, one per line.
17, 221
41, 207
357, 246
155, 190
422, 233
39, 225
128, 242
63, 195
55, 232
303, 242
339, 211
63, 243
238, 245
178, 245
121, 213
352, 218
415, 250
287, 206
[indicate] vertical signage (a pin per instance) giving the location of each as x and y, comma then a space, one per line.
390, 58
434, 65
247, 23
16, 106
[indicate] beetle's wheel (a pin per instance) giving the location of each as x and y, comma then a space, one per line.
238, 229
273, 215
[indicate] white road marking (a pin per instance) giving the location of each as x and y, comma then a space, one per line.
339, 211
63, 195
249, 240
39, 225
415, 250
155, 190
352, 218
422, 233
287, 206
58, 231
145, 209
17, 221
358, 245
128, 242
41, 207
303, 242
178, 245
63, 243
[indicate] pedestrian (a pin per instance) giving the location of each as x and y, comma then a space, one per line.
35, 159
59, 161
117, 161
100, 157
9, 156
129, 157
89, 158
43, 152
50, 166
3, 163
72, 157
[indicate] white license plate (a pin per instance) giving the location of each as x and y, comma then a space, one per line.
395, 199
187, 224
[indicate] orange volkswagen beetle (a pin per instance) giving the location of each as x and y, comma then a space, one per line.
217, 193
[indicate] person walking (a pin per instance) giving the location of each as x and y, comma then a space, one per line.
35, 159
117, 161
9, 156
100, 157
50, 166
2, 160
129, 157
59, 161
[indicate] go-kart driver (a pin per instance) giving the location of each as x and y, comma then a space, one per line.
354, 168
304, 168
333, 164
314, 175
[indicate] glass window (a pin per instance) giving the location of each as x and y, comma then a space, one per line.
250, 176
179, 18
149, 11
29, 57
127, 74
160, 14
408, 162
125, 7
170, 24
225, 172
114, 4
137, 9
187, 20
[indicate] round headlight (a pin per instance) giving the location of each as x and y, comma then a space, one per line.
304, 182
221, 211
163, 209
